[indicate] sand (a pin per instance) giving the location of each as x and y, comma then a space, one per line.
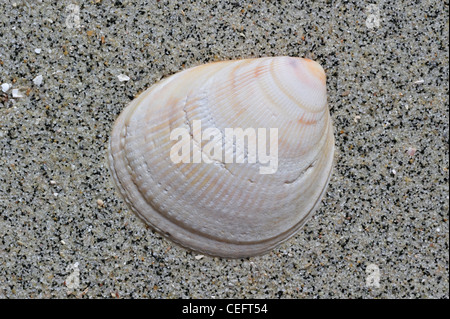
71, 67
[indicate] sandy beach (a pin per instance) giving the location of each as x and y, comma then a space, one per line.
67, 70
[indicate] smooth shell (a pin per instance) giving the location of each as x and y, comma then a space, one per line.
227, 209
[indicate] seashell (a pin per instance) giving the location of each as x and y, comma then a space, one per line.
203, 201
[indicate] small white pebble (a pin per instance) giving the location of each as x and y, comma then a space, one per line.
123, 77
63, 242
357, 118
438, 229
16, 93
198, 257
419, 81
38, 80
6, 87
37, 50
55, 194
100, 203
411, 151
393, 172
52, 182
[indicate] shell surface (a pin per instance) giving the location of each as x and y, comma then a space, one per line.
228, 209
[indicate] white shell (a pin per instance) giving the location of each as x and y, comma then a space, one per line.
227, 209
